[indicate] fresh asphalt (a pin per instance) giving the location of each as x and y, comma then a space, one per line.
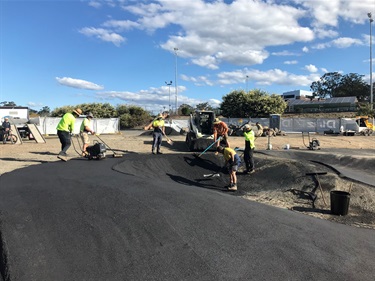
155, 217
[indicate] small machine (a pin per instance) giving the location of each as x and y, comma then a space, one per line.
314, 143
96, 151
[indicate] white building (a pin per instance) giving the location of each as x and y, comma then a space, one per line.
297, 95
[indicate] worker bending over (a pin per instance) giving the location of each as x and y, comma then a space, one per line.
232, 162
220, 130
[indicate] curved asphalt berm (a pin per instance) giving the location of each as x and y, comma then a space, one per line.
144, 217
350, 163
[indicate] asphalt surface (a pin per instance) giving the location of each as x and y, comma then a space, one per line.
350, 163
155, 217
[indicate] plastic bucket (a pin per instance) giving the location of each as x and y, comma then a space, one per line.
287, 146
339, 202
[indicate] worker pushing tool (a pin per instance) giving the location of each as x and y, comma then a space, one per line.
85, 129
232, 162
220, 129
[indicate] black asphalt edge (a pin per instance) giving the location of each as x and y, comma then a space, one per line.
339, 173
4, 270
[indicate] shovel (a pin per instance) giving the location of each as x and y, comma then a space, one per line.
199, 155
169, 141
211, 175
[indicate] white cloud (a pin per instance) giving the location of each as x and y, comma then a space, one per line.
152, 98
95, 4
103, 34
121, 25
270, 77
343, 42
305, 49
236, 38
78, 83
289, 62
311, 68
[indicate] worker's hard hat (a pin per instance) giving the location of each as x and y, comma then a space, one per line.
247, 127
78, 111
90, 115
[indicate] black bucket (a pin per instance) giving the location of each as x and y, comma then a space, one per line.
339, 202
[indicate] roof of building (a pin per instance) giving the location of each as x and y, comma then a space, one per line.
343, 100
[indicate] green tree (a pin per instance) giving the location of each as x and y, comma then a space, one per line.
185, 109
352, 84
8, 103
45, 111
204, 106
99, 110
333, 84
232, 105
255, 103
132, 116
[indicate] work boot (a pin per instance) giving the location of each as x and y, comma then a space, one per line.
159, 152
233, 187
62, 157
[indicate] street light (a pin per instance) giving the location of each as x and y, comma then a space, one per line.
247, 79
371, 85
169, 85
175, 78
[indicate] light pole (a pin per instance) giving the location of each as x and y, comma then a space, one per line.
371, 85
169, 106
175, 78
247, 79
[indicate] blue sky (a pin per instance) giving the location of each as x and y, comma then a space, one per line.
56, 53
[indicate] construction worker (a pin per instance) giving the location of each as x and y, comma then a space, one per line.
249, 148
157, 136
5, 129
64, 130
220, 130
84, 132
232, 162
260, 129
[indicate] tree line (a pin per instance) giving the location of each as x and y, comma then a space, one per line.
238, 103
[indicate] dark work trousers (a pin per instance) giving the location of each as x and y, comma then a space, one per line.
157, 139
248, 157
65, 141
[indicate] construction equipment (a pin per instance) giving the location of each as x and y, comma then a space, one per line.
200, 134
207, 148
96, 151
359, 126
364, 126
314, 144
115, 155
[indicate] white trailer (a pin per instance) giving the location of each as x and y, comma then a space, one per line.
15, 113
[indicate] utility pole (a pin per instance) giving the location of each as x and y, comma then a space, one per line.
371, 84
175, 79
169, 106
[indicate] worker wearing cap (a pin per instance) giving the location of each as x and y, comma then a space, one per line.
157, 135
260, 129
249, 148
5, 128
220, 130
64, 130
84, 132
232, 162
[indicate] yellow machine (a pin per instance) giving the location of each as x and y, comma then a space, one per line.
365, 127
